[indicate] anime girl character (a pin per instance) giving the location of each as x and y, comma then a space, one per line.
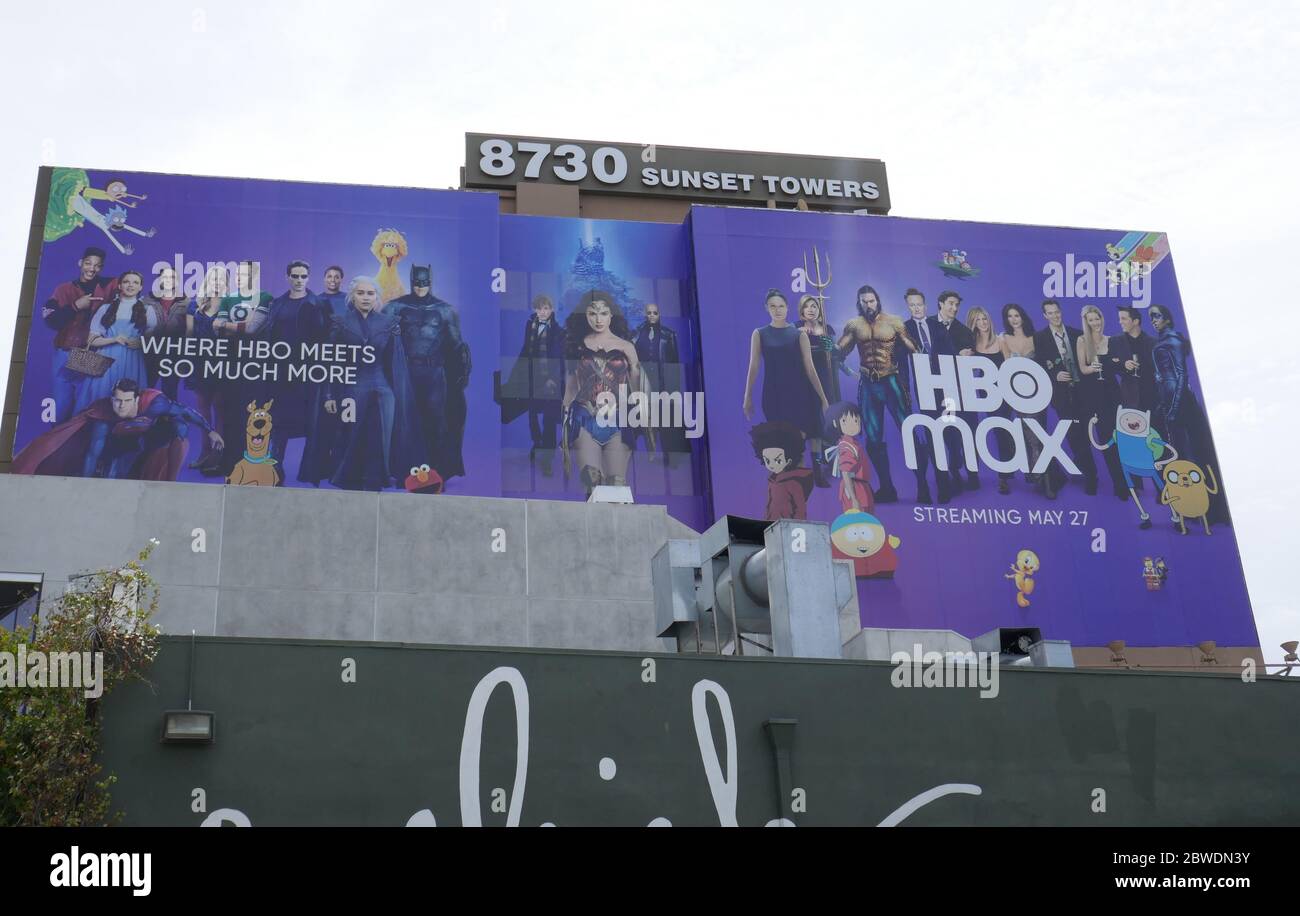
602, 368
792, 391
115, 332
69, 208
374, 450
389, 247
779, 445
848, 460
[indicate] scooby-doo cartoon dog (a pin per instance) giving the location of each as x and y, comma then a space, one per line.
257, 467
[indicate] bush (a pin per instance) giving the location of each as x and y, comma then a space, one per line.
49, 736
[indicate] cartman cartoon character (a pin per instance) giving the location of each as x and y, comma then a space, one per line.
861, 537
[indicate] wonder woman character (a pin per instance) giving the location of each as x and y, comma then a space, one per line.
602, 369
847, 460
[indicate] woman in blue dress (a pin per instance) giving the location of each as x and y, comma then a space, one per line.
115, 332
792, 390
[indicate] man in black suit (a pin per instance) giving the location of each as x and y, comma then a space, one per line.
933, 340
1129, 361
1056, 350
963, 344
656, 348
963, 340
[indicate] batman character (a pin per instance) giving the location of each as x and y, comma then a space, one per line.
439, 363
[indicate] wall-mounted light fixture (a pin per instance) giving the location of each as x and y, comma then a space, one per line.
189, 725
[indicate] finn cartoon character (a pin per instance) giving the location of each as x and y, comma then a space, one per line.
1140, 450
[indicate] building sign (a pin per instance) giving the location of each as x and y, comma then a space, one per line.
501, 161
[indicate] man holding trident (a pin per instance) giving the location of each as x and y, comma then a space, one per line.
876, 334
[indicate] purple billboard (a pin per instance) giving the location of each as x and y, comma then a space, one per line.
555, 268
258, 333
263, 333
1002, 425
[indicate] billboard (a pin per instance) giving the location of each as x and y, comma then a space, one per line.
196, 329
644, 270
1002, 424
291, 334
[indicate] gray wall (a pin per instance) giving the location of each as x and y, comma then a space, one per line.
328, 564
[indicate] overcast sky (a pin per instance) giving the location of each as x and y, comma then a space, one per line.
1182, 117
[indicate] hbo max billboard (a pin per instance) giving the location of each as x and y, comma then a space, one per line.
1003, 425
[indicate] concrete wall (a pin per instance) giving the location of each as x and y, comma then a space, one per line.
358, 566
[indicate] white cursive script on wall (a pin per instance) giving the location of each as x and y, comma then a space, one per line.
723, 787
471, 746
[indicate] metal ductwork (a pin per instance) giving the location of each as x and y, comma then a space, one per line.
748, 586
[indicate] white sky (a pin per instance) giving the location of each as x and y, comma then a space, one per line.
1180, 117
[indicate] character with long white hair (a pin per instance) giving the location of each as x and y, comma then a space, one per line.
372, 448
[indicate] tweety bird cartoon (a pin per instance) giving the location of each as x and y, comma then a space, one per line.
1022, 571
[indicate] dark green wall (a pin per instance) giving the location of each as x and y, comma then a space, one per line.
296, 745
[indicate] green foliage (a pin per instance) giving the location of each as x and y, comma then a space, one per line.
49, 736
